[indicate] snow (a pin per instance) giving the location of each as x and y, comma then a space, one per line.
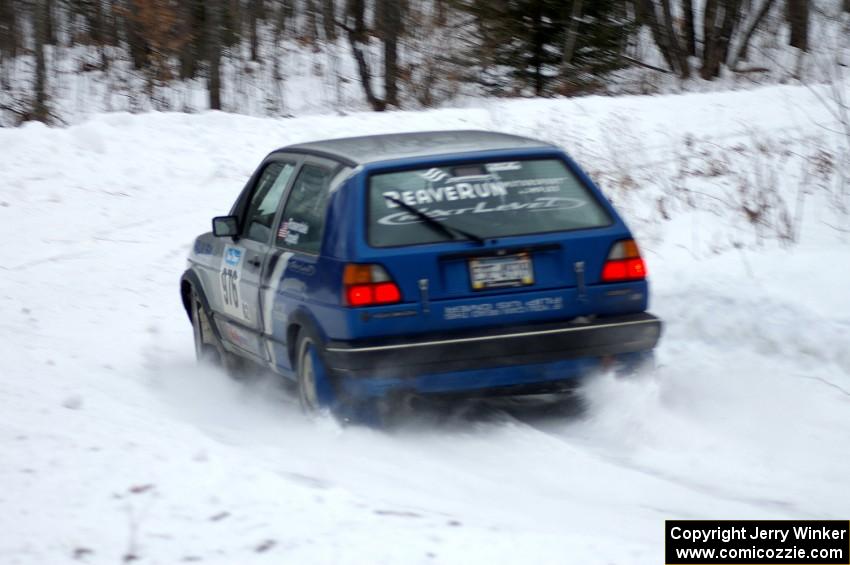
113, 443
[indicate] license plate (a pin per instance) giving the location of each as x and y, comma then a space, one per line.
496, 272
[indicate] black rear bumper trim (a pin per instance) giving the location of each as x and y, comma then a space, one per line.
542, 343
486, 338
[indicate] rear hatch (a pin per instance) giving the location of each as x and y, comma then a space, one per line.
508, 241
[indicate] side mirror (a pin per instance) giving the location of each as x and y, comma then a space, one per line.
224, 226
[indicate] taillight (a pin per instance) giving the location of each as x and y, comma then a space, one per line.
368, 285
624, 263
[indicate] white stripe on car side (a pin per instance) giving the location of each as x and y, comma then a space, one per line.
269, 298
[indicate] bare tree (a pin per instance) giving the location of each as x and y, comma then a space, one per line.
97, 28
214, 47
135, 41
389, 17
355, 28
50, 28
283, 14
41, 16
254, 7
312, 32
157, 27
329, 19
390, 31
572, 33
190, 28
690, 27
720, 19
798, 19
743, 47
662, 27
10, 37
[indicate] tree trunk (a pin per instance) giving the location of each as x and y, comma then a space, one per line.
99, 35
721, 19
9, 39
50, 28
391, 11
329, 19
135, 42
282, 16
312, 23
357, 11
572, 33
690, 30
214, 48
798, 18
190, 51
677, 51
537, 46
709, 36
40, 111
111, 31
253, 15
441, 12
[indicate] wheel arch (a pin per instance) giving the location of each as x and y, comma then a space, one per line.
189, 282
302, 321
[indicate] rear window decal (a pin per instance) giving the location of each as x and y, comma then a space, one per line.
490, 200
539, 204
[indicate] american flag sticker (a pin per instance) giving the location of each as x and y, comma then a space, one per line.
283, 231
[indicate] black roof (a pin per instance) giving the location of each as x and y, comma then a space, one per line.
372, 148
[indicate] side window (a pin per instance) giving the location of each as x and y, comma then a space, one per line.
303, 221
265, 201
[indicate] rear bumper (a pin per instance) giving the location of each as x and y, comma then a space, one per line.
552, 377
537, 345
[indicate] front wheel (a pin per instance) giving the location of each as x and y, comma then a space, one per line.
208, 348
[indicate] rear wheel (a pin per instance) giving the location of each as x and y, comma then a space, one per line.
315, 390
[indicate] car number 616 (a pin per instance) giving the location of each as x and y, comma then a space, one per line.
229, 289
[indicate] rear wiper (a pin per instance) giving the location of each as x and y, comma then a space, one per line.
445, 229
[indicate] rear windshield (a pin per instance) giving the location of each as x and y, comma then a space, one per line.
489, 200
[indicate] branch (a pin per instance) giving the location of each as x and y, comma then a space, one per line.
836, 228
745, 42
646, 65
751, 70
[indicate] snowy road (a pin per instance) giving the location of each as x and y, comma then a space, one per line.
113, 443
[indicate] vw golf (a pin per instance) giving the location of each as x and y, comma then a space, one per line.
420, 263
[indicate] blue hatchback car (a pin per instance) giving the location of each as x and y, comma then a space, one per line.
427, 263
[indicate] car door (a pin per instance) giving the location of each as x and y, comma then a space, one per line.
244, 259
293, 261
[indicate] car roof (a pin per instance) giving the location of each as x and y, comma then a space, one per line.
385, 147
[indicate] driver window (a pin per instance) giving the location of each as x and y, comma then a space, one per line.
265, 201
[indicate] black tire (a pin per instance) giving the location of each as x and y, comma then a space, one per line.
316, 391
208, 347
